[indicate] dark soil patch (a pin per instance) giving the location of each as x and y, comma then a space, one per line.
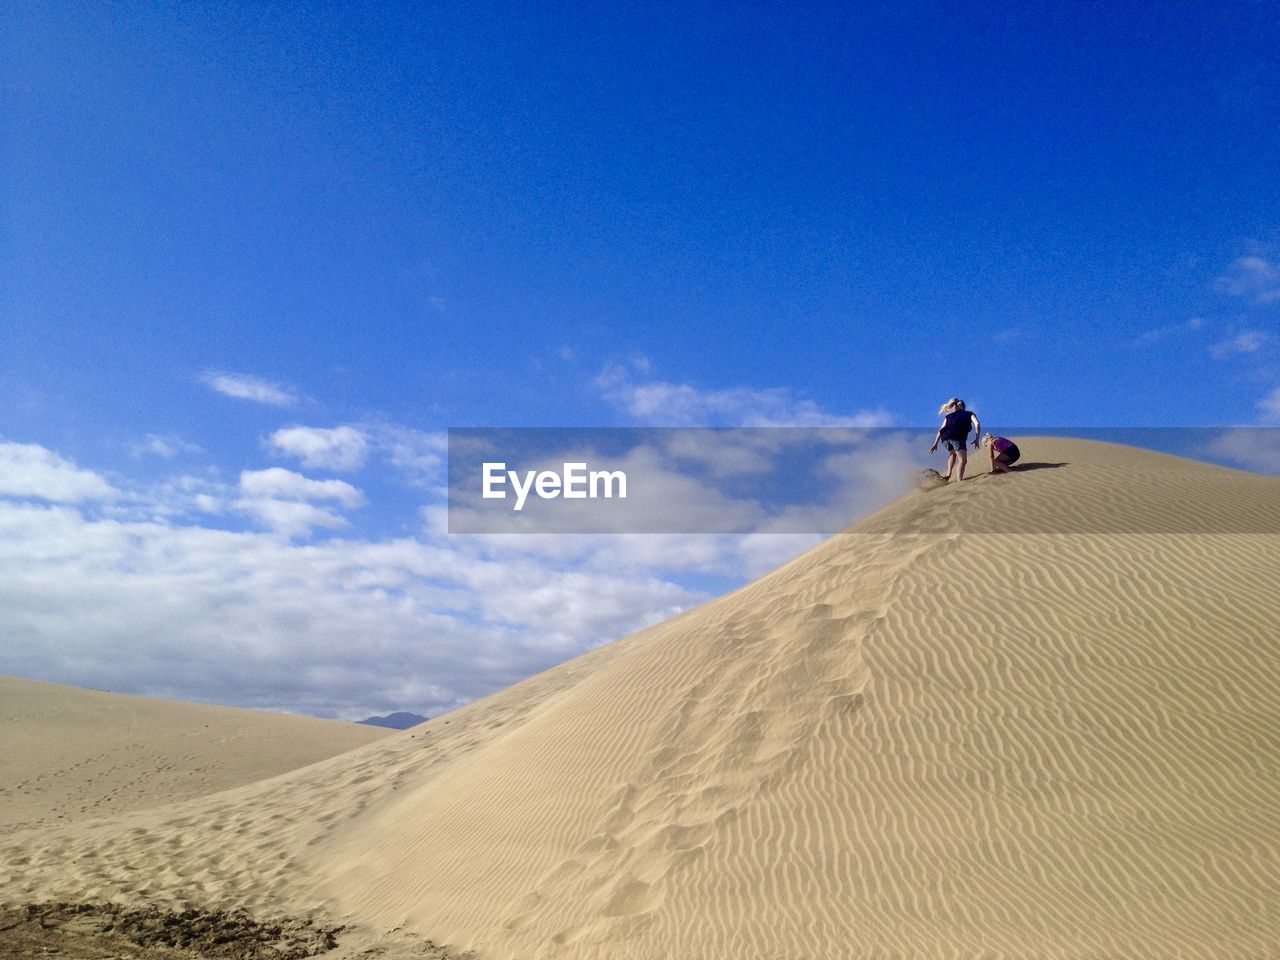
66, 931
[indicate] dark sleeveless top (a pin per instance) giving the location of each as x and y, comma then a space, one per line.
957, 424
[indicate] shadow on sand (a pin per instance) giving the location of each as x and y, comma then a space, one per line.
1042, 465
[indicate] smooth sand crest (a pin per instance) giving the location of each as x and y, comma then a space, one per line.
911, 741
70, 754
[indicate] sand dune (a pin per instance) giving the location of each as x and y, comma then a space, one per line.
912, 741
69, 753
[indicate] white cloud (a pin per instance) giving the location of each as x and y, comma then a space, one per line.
1248, 341
30, 470
1254, 449
208, 503
1270, 406
278, 482
245, 386
289, 517
1159, 333
174, 497
680, 404
418, 454
1253, 277
283, 501
332, 448
723, 453
165, 448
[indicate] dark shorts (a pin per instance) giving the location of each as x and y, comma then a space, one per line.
955, 446
1009, 455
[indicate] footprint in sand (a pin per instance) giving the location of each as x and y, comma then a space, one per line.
629, 896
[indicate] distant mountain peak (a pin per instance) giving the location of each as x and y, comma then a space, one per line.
399, 720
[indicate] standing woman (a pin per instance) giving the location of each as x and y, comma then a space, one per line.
954, 434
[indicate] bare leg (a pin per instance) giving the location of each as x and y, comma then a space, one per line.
951, 462
964, 459
999, 466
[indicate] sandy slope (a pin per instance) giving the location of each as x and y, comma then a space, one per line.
69, 754
912, 741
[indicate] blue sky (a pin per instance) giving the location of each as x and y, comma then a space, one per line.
220, 223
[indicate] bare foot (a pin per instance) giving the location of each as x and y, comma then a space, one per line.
930, 478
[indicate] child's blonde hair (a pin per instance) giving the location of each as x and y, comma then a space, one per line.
953, 404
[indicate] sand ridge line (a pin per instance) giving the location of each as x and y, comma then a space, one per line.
72, 754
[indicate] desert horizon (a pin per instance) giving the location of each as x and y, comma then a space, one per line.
909, 744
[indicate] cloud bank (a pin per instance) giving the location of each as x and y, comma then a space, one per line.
153, 591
